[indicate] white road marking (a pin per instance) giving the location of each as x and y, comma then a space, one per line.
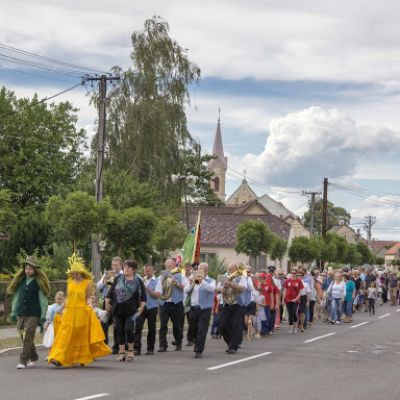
16, 348
356, 326
352, 351
398, 310
320, 337
238, 361
384, 315
95, 396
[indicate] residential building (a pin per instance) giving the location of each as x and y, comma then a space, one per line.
345, 231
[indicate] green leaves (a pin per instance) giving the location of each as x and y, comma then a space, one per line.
253, 237
76, 217
40, 148
303, 250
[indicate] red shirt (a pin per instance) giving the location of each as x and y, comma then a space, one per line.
266, 291
293, 287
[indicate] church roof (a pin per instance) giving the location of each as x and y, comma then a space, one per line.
243, 191
218, 148
275, 207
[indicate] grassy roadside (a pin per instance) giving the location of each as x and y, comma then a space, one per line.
16, 342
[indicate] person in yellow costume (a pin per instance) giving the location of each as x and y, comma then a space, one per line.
79, 338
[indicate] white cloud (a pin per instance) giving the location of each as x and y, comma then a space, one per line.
305, 146
317, 40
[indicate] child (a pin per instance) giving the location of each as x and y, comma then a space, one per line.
372, 296
52, 310
30, 288
102, 315
260, 313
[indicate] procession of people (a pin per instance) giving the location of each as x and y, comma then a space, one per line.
238, 305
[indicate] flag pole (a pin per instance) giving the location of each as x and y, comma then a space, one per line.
197, 235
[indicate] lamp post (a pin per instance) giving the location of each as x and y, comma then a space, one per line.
185, 180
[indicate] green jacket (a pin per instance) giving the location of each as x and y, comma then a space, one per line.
17, 298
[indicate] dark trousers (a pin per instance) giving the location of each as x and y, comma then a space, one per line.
27, 326
311, 308
292, 311
232, 325
125, 328
265, 324
371, 306
175, 312
151, 316
190, 337
199, 321
272, 317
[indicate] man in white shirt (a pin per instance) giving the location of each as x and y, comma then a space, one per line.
200, 291
103, 286
232, 314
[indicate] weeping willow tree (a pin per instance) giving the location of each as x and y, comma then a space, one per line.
147, 128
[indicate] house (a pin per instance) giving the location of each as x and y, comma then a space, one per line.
219, 226
392, 254
345, 231
379, 247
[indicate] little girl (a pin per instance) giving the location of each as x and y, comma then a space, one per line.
372, 296
52, 310
260, 313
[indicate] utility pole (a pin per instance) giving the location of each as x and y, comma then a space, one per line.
325, 208
369, 222
312, 209
101, 141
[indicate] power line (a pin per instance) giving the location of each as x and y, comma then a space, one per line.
2, 117
50, 60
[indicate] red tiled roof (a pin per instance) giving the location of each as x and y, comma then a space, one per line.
380, 244
219, 224
393, 250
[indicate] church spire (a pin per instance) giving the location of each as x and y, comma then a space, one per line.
218, 149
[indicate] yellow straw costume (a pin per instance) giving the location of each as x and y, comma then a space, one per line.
79, 338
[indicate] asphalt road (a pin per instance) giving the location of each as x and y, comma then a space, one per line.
327, 362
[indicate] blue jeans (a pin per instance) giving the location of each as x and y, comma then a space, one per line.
348, 308
265, 324
336, 309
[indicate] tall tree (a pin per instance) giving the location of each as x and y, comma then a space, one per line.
303, 250
147, 129
40, 148
336, 215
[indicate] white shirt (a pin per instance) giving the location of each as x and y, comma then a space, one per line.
278, 283
194, 298
242, 283
306, 290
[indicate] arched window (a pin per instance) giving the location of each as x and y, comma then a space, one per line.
216, 184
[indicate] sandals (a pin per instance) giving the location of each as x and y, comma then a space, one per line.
121, 357
130, 355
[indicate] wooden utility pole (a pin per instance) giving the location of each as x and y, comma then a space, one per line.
312, 209
325, 208
101, 141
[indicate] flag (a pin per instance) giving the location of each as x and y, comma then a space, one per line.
191, 247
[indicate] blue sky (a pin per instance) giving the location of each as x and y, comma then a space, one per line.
306, 89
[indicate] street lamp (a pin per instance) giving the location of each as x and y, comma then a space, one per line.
185, 181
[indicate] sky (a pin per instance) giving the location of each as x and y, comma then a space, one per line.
307, 90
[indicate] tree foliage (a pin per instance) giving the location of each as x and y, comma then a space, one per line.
129, 232
147, 128
303, 250
77, 217
40, 148
336, 215
253, 238
169, 235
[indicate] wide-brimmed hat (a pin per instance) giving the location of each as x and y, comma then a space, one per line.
32, 261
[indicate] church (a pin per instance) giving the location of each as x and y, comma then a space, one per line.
219, 224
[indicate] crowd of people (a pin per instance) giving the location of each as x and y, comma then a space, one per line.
239, 304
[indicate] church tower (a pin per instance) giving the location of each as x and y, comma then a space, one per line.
218, 165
